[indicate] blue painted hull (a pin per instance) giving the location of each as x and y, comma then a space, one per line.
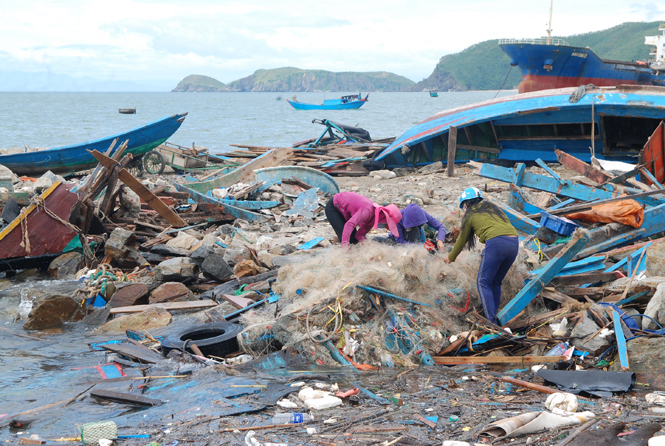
75, 157
544, 67
353, 105
227, 208
313, 177
530, 126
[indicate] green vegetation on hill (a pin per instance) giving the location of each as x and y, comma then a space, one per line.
296, 79
199, 83
484, 66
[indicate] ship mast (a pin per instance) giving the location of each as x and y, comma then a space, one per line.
549, 27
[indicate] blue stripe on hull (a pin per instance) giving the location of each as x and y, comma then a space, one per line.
346, 106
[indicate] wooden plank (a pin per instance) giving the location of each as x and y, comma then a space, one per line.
654, 153
236, 301
424, 421
478, 148
552, 294
244, 173
189, 305
143, 354
621, 342
547, 273
452, 150
581, 279
127, 398
258, 278
497, 359
155, 203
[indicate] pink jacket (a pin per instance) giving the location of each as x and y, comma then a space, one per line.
358, 211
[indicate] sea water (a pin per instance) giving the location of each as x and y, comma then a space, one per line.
214, 120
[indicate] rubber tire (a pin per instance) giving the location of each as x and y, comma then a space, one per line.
220, 345
155, 154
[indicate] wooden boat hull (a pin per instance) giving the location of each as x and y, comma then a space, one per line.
76, 157
46, 234
352, 105
525, 127
245, 214
313, 177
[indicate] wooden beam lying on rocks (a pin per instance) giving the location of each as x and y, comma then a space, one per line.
497, 359
189, 305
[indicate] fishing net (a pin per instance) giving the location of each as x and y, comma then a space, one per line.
320, 301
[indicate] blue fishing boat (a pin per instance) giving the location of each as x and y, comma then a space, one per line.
313, 177
433, 94
349, 102
612, 122
75, 157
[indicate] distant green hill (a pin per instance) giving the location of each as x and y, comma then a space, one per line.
199, 83
296, 79
484, 66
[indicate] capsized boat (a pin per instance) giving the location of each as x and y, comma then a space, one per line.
552, 63
75, 157
523, 128
348, 102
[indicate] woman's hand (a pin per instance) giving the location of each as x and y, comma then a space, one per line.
446, 260
439, 245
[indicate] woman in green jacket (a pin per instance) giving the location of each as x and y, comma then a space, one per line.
490, 224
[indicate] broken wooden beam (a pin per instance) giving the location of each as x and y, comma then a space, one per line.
497, 359
127, 398
582, 168
188, 305
155, 203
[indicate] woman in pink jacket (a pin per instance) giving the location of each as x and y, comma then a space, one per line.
353, 215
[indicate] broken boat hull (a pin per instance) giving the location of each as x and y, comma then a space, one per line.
523, 128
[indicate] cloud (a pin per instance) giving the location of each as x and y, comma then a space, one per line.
650, 11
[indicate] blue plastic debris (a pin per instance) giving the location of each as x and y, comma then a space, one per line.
310, 244
306, 203
560, 225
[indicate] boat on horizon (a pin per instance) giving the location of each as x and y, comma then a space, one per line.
549, 63
523, 128
76, 157
348, 102
433, 94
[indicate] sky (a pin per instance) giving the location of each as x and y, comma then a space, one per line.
148, 40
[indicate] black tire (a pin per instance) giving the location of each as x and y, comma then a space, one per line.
217, 339
153, 162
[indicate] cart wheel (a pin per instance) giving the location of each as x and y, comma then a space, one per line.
135, 167
153, 162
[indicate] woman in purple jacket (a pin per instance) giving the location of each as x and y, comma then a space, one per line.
353, 215
413, 218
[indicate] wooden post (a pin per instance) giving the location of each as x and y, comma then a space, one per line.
452, 149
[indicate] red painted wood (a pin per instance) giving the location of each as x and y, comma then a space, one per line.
47, 235
654, 149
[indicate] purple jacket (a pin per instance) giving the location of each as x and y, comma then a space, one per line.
358, 211
414, 215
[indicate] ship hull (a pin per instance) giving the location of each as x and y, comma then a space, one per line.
545, 67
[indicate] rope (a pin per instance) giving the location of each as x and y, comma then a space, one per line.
25, 240
504, 82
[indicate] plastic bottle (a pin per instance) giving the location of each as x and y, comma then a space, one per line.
291, 418
558, 350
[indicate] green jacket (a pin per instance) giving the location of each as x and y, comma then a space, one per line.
486, 226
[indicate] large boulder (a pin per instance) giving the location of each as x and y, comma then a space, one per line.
215, 267
145, 320
583, 331
178, 269
51, 311
200, 254
66, 265
170, 292
121, 247
655, 309
644, 355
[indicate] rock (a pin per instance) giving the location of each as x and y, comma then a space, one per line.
307, 221
209, 240
644, 355
170, 251
431, 168
264, 243
246, 268
200, 254
265, 258
128, 294
171, 292
236, 255
52, 311
121, 247
280, 261
46, 180
229, 287
655, 309
585, 329
66, 265
655, 260
145, 320
226, 229
382, 174
183, 241
242, 224
215, 267
282, 250
299, 224
176, 270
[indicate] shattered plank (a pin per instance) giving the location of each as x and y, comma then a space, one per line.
621, 342
582, 168
135, 352
189, 305
127, 398
547, 273
497, 359
143, 192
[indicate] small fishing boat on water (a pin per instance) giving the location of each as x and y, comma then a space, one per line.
611, 123
433, 94
127, 111
75, 157
348, 102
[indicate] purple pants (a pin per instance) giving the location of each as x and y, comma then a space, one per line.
497, 258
